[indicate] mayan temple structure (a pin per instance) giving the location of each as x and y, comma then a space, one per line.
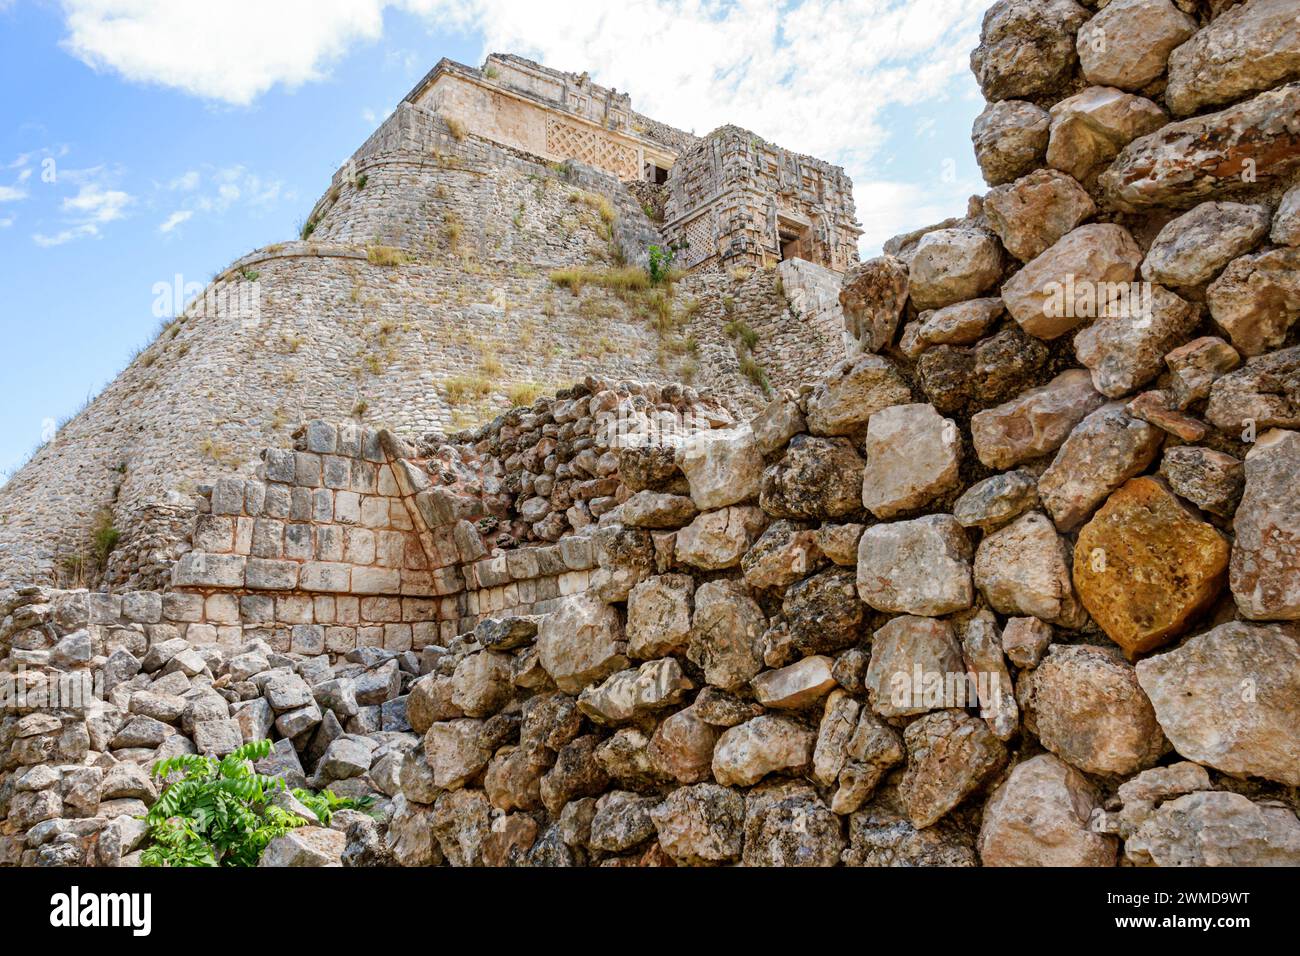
570, 490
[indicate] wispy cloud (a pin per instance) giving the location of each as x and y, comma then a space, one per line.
12, 194
94, 206
174, 220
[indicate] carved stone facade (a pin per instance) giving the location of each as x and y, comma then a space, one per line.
552, 114
738, 200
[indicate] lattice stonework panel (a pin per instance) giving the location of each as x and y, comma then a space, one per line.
588, 146
698, 234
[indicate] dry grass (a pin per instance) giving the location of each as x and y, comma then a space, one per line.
465, 387
623, 281
524, 393
455, 127
378, 255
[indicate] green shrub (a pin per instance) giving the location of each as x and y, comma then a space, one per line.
219, 812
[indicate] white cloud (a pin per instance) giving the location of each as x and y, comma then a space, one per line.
12, 194
67, 235
97, 205
232, 51
7, 221
174, 220
186, 182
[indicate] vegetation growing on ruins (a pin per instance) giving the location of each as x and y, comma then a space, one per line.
222, 812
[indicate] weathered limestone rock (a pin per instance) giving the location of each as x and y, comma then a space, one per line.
815, 478
907, 650
430, 701
839, 543
723, 466
719, 539
682, 746
1128, 43
306, 846
959, 324
870, 753
1264, 394
580, 643
654, 509
513, 780
873, 296
1248, 48
461, 824
795, 686
1084, 705
1010, 140
750, 751
786, 553
1257, 299
952, 265
1196, 366
1032, 214
1147, 565
1104, 451
1230, 698
1069, 283
991, 503
819, 615
776, 424
857, 388
1090, 128
1034, 423
481, 683
839, 721
1238, 150
659, 616
1286, 224
626, 557
1025, 640
634, 692
701, 825
622, 821
1027, 47
1156, 408
1039, 817
1024, 568
1193, 248
1208, 479
882, 835
950, 755
920, 566
577, 773
981, 648
1216, 829
786, 824
1265, 570
410, 837
1125, 349
455, 752
726, 634
1139, 795
913, 456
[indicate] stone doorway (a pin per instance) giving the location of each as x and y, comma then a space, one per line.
794, 239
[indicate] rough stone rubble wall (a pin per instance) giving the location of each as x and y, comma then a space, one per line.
1079, 530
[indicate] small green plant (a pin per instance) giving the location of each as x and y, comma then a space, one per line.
661, 263
248, 275
740, 329
105, 537
219, 813
307, 229
362, 180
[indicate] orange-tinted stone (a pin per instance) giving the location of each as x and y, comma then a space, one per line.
1147, 564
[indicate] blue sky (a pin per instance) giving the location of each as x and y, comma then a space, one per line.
145, 141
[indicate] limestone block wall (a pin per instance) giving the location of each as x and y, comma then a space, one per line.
741, 201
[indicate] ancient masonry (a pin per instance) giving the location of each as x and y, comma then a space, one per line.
423, 296
1016, 583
